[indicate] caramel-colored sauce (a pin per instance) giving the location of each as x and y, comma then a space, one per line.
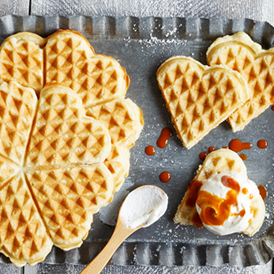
241, 213
166, 134
236, 145
272, 108
244, 190
196, 220
216, 210
231, 183
210, 149
262, 144
150, 150
193, 190
263, 191
243, 156
225, 147
165, 176
202, 155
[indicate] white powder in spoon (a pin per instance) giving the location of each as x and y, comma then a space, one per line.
145, 204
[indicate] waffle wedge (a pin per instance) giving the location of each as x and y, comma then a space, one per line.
71, 60
21, 60
256, 65
216, 161
198, 97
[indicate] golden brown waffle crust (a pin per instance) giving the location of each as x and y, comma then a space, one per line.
210, 166
242, 90
240, 53
240, 37
26, 36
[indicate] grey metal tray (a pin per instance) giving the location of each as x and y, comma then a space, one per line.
141, 45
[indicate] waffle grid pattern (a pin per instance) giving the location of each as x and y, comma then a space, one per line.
257, 69
68, 163
197, 97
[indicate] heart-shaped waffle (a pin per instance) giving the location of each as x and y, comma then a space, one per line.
71, 60
199, 97
21, 59
217, 161
256, 65
69, 164
50, 192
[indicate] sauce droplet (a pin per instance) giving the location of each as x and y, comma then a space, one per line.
262, 144
243, 156
236, 145
262, 191
210, 149
166, 134
165, 176
150, 150
272, 108
244, 190
202, 155
225, 147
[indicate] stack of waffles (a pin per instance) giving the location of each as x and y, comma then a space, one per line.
200, 97
65, 134
256, 65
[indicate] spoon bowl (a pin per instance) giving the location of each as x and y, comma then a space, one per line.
132, 207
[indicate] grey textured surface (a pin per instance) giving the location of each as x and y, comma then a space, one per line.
262, 10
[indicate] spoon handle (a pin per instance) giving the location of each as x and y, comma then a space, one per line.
119, 235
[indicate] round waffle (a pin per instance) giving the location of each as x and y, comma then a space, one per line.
63, 152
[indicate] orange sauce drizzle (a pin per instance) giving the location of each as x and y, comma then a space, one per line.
215, 210
243, 156
166, 134
193, 190
196, 220
236, 145
210, 149
263, 191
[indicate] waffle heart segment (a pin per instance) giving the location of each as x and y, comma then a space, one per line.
17, 110
256, 65
68, 197
64, 133
23, 236
216, 162
198, 97
21, 60
71, 60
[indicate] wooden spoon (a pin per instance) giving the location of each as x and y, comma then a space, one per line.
121, 232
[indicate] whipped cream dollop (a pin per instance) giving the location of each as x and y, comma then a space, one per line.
224, 202
145, 204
